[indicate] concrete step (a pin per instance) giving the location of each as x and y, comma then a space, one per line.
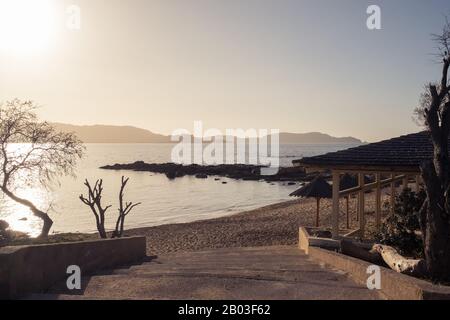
197, 286
243, 273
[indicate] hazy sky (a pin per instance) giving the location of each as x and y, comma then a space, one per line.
290, 64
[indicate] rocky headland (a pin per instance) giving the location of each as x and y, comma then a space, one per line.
236, 171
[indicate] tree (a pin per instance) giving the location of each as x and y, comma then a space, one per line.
435, 213
33, 152
94, 202
124, 210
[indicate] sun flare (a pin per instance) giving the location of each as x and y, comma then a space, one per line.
26, 26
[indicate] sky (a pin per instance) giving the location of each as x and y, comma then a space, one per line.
294, 65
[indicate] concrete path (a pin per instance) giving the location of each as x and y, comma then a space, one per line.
266, 273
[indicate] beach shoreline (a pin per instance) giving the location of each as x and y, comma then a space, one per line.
272, 225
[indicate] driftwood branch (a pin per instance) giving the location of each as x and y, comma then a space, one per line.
399, 263
380, 254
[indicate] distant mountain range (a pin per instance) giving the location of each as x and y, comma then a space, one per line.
128, 134
316, 137
112, 134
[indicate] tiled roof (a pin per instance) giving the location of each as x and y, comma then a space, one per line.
407, 151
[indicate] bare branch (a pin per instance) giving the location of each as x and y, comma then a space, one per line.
94, 202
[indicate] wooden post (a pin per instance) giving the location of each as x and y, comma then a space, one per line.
357, 209
378, 203
392, 194
405, 182
361, 205
347, 200
318, 213
335, 212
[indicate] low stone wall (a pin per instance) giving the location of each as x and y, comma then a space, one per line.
306, 241
394, 285
34, 269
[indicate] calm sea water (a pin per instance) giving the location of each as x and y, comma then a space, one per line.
163, 201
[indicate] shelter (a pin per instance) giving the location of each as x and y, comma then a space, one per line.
390, 161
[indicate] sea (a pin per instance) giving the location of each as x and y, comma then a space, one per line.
163, 201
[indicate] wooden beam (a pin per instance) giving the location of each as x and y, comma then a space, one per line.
355, 168
335, 212
371, 186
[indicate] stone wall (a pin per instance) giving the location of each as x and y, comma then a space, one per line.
33, 269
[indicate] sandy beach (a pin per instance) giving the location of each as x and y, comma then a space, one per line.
272, 225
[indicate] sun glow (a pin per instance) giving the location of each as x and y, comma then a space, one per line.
19, 217
27, 27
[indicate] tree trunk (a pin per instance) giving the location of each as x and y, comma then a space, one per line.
122, 225
115, 234
435, 225
48, 223
437, 245
38, 213
101, 230
118, 232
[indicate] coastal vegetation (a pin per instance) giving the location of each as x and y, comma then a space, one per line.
401, 229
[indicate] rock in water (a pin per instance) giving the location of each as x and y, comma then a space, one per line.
171, 175
234, 171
